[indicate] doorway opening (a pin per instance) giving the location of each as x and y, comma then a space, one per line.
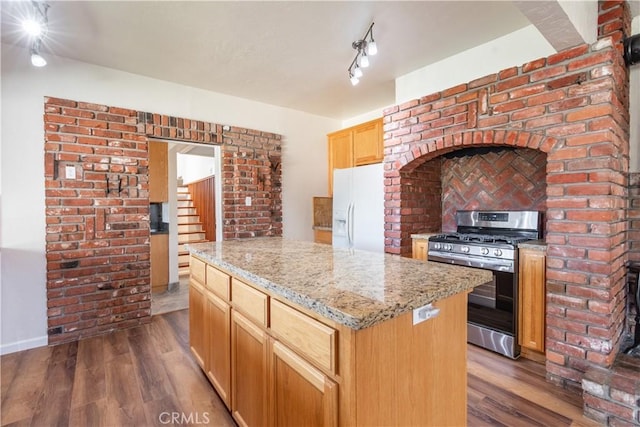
194, 212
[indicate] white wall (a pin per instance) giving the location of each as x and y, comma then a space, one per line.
194, 167
514, 49
22, 209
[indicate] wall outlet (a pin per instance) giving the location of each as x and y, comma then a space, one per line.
247, 201
70, 172
425, 312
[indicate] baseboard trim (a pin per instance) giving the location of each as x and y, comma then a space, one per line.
24, 345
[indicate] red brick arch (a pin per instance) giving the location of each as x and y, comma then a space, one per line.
427, 150
414, 203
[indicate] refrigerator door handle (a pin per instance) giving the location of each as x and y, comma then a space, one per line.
350, 224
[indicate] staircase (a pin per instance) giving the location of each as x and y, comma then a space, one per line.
189, 228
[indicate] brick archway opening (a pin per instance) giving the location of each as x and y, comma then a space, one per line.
469, 170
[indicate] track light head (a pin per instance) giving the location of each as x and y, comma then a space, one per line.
36, 59
372, 48
365, 47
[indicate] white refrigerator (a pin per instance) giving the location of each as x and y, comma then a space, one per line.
358, 208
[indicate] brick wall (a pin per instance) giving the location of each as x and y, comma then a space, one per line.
506, 179
250, 168
97, 243
570, 107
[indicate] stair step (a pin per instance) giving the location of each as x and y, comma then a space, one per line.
191, 238
191, 227
181, 244
187, 211
191, 221
185, 204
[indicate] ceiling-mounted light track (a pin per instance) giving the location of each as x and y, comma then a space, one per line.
365, 47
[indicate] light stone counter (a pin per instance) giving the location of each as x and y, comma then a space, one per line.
424, 236
355, 288
539, 245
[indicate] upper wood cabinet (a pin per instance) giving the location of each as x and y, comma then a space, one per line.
367, 143
158, 172
355, 146
531, 284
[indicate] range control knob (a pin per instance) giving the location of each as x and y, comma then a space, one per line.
449, 247
437, 246
465, 249
497, 252
484, 251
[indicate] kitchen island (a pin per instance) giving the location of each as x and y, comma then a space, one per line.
299, 333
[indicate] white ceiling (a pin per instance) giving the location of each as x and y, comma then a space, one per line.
293, 54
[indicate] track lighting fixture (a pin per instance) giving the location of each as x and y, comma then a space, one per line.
37, 26
36, 59
365, 48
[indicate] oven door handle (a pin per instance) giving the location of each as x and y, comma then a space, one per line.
468, 261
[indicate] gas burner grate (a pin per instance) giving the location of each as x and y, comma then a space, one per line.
482, 238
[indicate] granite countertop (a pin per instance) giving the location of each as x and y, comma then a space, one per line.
355, 288
539, 245
424, 235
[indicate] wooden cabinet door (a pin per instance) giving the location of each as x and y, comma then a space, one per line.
419, 249
197, 322
302, 395
367, 143
322, 236
531, 290
249, 358
218, 354
159, 246
158, 172
340, 153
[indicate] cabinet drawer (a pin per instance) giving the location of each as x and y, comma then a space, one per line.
251, 302
197, 268
218, 282
307, 335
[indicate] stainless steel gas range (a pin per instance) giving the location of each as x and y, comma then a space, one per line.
489, 240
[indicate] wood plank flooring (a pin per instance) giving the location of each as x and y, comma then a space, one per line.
142, 376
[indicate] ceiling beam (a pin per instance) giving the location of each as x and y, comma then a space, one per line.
563, 23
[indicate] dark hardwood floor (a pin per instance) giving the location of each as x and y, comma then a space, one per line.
146, 376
